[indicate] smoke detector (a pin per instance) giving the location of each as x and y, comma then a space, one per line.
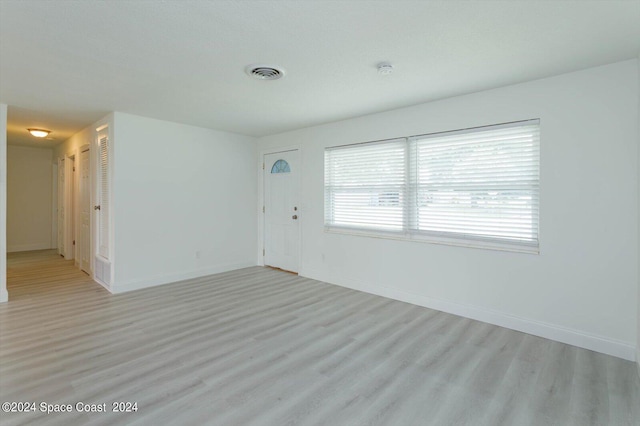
264, 72
385, 68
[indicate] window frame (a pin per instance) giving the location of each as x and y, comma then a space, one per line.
445, 238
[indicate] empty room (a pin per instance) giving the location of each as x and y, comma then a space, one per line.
320, 212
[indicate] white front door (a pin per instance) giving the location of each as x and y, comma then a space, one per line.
281, 210
84, 245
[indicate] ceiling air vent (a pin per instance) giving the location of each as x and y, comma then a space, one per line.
264, 72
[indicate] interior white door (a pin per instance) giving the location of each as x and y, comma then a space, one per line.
73, 211
70, 209
61, 189
84, 247
281, 210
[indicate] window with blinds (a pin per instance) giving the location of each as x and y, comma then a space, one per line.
477, 187
103, 216
365, 185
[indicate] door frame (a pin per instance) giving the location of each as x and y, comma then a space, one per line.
261, 216
103, 268
71, 201
68, 197
61, 205
54, 205
77, 222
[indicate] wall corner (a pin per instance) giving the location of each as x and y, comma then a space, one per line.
638, 260
4, 295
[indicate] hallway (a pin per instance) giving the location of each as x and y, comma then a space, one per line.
46, 275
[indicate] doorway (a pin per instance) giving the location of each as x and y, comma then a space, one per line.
74, 207
69, 202
61, 207
71, 163
281, 210
84, 212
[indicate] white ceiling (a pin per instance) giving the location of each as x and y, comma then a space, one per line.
65, 64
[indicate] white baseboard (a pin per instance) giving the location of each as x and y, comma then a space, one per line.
106, 286
561, 334
4, 296
29, 247
168, 279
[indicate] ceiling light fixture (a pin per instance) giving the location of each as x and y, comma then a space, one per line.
264, 72
385, 68
39, 133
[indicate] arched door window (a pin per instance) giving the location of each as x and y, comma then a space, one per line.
280, 166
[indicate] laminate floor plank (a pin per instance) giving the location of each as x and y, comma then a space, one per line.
258, 346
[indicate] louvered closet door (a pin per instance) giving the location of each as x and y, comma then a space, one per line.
103, 189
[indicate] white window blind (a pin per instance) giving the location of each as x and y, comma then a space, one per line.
478, 184
103, 216
365, 186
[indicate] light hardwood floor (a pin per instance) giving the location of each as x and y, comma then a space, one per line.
264, 347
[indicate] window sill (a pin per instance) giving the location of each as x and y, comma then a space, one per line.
432, 239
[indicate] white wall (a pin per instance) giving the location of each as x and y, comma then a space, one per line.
582, 288
4, 296
184, 202
29, 198
638, 260
74, 143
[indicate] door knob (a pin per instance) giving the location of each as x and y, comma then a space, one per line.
294, 217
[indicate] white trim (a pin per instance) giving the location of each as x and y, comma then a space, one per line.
558, 333
107, 124
417, 237
4, 295
54, 204
68, 198
173, 278
106, 286
45, 245
60, 205
261, 227
81, 149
